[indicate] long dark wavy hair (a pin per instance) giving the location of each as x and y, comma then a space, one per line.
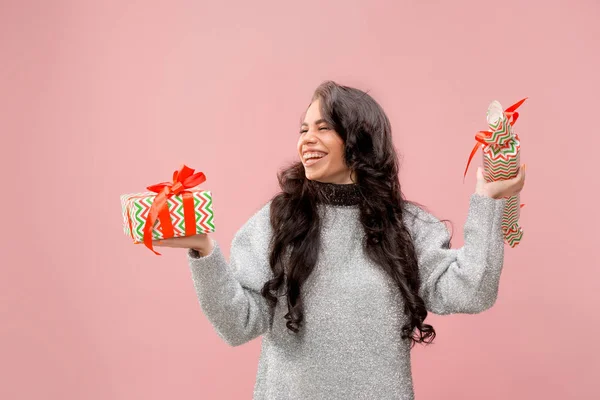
369, 152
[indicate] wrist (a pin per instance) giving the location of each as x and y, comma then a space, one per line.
203, 250
485, 194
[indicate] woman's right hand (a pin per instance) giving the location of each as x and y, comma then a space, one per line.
201, 243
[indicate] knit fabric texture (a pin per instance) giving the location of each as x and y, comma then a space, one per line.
349, 345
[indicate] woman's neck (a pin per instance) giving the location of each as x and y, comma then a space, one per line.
338, 194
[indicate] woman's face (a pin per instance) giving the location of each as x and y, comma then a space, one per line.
321, 149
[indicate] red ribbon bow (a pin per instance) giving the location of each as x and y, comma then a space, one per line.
183, 179
481, 136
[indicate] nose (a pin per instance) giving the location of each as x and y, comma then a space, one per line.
309, 137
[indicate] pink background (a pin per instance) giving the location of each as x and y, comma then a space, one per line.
104, 98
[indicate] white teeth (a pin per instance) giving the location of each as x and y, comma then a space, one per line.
314, 155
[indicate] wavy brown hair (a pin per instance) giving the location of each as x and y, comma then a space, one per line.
369, 152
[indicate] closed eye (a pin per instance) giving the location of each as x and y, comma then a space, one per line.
323, 128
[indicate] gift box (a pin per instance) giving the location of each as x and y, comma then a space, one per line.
501, 160
169, 209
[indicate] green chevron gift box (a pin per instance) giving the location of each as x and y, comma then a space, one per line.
501, 160
169, 209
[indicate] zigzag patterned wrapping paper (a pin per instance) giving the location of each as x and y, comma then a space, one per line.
501, 160
136, 206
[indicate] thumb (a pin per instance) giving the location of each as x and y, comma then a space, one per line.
480, 177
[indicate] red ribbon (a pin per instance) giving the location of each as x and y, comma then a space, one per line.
481, 136
183, 179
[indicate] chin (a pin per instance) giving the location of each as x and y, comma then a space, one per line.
317, 177
312, 177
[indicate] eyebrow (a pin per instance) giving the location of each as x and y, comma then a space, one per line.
317, 122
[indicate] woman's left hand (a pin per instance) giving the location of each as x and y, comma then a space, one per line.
500, 189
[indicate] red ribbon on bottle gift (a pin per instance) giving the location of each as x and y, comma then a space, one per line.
482, 136
184, 178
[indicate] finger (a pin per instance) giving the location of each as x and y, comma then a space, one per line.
522, 171
479, 173
480, 182
171, 242
515, 185
178, 242
519, 177
507, 187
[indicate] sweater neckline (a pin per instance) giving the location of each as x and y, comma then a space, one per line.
337, 194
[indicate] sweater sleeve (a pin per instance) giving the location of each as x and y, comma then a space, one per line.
229, 293
463, 280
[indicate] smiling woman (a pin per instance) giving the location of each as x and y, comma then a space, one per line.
338, 271
321, 149
360, 166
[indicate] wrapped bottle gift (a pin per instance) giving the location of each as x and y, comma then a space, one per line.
501, 160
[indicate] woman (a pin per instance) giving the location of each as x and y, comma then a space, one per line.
339, 271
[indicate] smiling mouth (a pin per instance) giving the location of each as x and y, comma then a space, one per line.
314, 160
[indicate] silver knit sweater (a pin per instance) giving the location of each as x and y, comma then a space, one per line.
349, 346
